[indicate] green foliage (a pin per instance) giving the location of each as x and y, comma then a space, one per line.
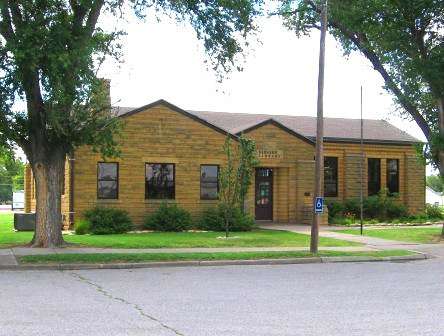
212, 219
335, 209
381, 207
82, 227
340, 220
169, 218
235, 177
50, 52
435, 182
352, 206
51, 101
403, 40
434, 211
108, 220
11, 175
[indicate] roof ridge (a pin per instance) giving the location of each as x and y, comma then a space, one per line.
281, 115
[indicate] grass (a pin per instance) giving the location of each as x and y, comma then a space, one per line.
258, 238
7, 235
147, 257
415, 235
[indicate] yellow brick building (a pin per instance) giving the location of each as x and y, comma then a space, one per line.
173, 155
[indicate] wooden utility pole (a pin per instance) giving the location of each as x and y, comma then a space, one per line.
319, 173
361, 170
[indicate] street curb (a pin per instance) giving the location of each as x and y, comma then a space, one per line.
289, 261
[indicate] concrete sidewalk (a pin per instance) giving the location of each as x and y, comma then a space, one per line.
435, 250
329, 232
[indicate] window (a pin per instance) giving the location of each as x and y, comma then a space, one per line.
209, 182
374, 176
159, 181
330, 176
107, 180
393, 175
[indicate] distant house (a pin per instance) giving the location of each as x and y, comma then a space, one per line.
433, 197
18, 200
173, 155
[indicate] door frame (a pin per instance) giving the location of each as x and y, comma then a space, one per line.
269, 179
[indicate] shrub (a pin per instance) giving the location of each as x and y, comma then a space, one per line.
434, 211
394, 209
212, 219
82, 227
108, 220
372, 207
169, 218
340, 220
335, 209
352, 206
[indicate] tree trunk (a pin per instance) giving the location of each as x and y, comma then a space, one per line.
48, 174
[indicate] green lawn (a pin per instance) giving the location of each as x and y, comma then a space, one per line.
415, 235
7, 236
146, 257
258, 238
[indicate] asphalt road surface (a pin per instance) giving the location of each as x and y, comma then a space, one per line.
315, 299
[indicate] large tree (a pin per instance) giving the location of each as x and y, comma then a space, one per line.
50, 51
403, 40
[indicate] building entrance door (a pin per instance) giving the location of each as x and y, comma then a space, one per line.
264, 194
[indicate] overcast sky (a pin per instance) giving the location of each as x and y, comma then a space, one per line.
165, 60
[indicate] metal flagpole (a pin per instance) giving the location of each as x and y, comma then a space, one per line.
362, 171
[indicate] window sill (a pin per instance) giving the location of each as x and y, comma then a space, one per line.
111, 200
157, 201
209, 200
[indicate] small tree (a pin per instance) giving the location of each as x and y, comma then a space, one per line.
235, 177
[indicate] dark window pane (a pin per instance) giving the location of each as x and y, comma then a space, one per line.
330, 176
107, 180
107, 171
374, 176
107, 189
159, 181
393, 176
209, 182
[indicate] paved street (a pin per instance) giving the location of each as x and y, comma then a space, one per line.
313, 299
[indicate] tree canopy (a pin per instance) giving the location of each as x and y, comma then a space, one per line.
403, 40
435, 182
50, 53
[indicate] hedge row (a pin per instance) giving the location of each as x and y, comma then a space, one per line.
167, 217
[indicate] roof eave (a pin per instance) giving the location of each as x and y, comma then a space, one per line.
371, 141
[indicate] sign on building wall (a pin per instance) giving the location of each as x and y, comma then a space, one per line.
270, 154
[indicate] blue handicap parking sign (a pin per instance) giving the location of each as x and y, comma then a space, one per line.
319, 205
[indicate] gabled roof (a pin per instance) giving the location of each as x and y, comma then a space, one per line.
335, 129
123, 112
303, 127
276, 123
